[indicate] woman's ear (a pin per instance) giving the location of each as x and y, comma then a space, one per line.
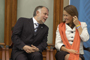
73, 17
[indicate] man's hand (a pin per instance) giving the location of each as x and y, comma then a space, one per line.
34, 48
28, 49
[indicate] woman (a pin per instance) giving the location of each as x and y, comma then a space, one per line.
70, 36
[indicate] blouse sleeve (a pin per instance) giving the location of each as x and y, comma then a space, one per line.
84, 35
58, 41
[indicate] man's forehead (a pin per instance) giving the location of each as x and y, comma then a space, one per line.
44, 9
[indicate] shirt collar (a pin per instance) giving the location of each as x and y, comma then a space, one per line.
34, 20
69, 28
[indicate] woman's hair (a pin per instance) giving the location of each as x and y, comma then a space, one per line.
70, 9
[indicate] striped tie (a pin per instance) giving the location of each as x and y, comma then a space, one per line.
36, 26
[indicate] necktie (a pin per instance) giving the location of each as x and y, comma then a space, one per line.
36, 26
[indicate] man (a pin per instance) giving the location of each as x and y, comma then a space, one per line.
30, 40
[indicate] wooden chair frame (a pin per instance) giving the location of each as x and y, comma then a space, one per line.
3, 50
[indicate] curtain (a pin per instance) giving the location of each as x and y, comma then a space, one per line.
83, 7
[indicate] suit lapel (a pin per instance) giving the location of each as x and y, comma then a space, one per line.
41, 26
31, 25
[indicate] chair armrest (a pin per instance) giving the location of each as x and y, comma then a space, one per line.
3, 44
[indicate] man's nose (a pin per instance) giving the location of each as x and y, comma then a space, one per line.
47, 16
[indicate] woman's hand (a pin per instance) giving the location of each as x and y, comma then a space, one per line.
72, 51
75, 20
63, 48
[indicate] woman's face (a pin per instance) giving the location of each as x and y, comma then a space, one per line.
67, 17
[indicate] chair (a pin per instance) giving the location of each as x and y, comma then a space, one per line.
53, 49
45, 53
2, 49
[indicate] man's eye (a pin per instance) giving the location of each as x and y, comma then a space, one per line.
44, 13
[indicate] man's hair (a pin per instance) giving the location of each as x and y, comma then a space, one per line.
38, 9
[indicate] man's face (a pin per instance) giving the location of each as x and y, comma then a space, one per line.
42, 15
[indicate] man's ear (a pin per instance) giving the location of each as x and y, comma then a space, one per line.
37, 12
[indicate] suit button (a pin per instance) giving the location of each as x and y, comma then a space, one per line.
71, 31
34, 34
72, 37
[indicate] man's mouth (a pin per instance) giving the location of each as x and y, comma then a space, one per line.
45, 19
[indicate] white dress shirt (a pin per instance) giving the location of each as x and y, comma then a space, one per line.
70, 33
34, 21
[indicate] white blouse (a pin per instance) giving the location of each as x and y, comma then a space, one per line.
70, 33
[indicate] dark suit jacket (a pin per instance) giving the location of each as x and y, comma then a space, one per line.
23, 34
